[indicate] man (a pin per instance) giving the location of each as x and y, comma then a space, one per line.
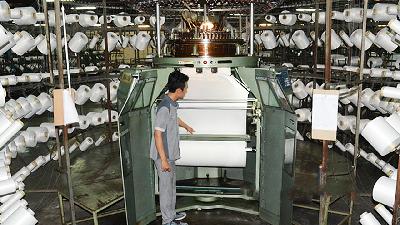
165, 146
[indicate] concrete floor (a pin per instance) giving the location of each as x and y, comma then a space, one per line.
47, 210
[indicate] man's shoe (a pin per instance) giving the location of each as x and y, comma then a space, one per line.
180, 216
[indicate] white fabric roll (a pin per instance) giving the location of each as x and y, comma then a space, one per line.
82, 95
336, 42
268, 39
355, 38
304, 17
100, 140
300, 39
78, 42
153, 20
391, 92
270, 18
299, 89
303, 114
368, 219
384, 213
336, 15
28, 16
94, 41
374, 62
87, 20
122, 20
84, 122
286, 18
21, 216
321, 17
86, 144
353, 15
42, 46
346, 122
41, 133
346, 38
384, 191
5, 12
142, 40
112, 39
380, 12
97, 92
109, 19
24, 44
139, 20
384, 39
383, 137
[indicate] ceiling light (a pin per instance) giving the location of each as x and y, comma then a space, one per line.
305, 10
84, 8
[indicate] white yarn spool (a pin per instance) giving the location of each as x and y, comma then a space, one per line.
321, 17
42, 46
315, 39
112, 39
8, 186
370, 36
336, 42
109, 19
270, 18
15, 13
21, 216
363, 123
257, 39
345, 122
20, 144
78, 42
35, 105
5, 36
268, 39
368, 219
374, 62
41, 133
115, 136
20, 203
394, 121
95, 118
97, 92
346, 38
71, 18
303, 114
391, 92
366, 96
82, 95
125, 41
384, 213
94, 41
46, 102
384, 191
114, 116
21, 174
300, 39
304, 17
394, 24
379, 72
26, 107
339, 60
353, 15
37, 41
89, 69
88, 19
299, 89
355, 37
139, 20
380, 12
122, 20
8, 200
132, 41
153, 20
51, 129
5, 12
384, 39
28, 16
142, 40
285, 38
383, 137
5, 173
86, 144
288, 65
100, 140
336, 15
310, 87
286, 18
30, 138
84, 122
113, 91
24, 44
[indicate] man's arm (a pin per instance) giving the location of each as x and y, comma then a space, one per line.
184, 125
161, 152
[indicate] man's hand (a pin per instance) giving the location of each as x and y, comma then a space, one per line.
165, 167
189, 129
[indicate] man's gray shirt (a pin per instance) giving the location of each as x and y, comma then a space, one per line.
166, 121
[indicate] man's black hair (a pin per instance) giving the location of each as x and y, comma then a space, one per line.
177, 80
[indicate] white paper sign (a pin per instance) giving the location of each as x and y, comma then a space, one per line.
324, 114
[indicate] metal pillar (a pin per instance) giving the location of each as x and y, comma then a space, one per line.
251, 29
158, 27
395, 218
325, 197
65, 128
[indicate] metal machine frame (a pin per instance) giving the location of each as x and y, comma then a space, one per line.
276, 126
